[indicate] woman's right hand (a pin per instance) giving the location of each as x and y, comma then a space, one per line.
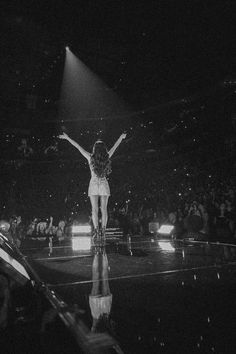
63, 136
123, 136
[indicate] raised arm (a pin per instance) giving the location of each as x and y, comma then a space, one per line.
117, 143
85, 153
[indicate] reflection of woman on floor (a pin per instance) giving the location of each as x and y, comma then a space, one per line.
100, 166
100, 299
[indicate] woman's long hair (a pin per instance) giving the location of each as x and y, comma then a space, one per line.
100, 161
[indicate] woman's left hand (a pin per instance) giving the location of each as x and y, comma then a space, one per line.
63, 136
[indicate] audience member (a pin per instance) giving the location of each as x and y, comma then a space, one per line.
24, 150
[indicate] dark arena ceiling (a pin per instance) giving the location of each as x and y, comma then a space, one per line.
148, 52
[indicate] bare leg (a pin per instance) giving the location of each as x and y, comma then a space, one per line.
94, 204
104, 202
105, 281
95, 275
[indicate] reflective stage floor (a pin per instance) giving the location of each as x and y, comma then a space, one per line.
151, 295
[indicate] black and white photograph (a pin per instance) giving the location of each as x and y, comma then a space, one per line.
118, 177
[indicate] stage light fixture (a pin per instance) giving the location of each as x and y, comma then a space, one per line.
81, 229
81, 243
166, 246
165, 229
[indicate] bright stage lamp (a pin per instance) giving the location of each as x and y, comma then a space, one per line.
166, 229
81, 243
81, 229
166, 246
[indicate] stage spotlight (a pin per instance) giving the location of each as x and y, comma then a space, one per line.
80, 229
81, 237
166, 230
81, 243
166, 246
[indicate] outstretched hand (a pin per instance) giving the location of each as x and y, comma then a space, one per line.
63, 136
123, 136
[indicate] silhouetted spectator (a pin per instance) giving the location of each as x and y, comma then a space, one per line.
24, 150
52, 150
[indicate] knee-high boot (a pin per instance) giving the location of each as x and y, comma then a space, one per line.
103, 235
95, 235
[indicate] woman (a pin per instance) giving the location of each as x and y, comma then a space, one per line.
100, 166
